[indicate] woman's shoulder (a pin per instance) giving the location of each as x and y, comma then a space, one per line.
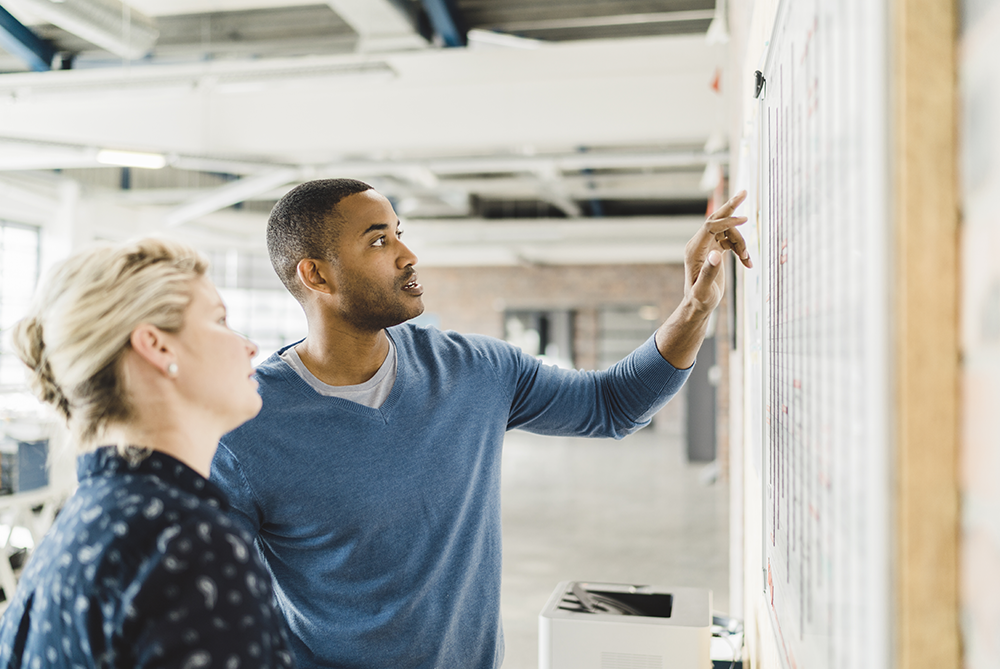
129, 544
140, 527
111, 528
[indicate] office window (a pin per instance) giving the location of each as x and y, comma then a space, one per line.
269, 318
257, 304
19, 265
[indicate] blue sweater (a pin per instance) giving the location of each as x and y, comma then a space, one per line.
381, 527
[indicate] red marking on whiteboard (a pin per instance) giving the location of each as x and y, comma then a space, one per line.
784, 408
770, 582
809, 36
783, 256
797, 384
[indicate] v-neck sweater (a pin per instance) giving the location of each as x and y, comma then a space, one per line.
381, 527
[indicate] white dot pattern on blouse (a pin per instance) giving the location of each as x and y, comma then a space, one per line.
142, 568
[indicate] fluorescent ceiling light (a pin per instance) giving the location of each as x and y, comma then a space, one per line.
149, 161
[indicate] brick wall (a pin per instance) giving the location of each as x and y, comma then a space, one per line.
473, 299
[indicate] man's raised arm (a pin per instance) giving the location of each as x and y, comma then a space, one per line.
680, 336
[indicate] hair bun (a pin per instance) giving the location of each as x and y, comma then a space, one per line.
29, 345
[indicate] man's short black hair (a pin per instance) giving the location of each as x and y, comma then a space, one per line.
305, 224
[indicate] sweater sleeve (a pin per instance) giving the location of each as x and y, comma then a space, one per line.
205, 601
227, 473
611, 403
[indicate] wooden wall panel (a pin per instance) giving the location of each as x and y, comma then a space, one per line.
926, 333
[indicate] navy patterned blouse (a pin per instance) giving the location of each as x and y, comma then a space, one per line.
142, 568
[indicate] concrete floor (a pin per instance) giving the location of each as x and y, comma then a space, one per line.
632, 511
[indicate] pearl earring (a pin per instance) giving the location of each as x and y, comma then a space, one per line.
172, 369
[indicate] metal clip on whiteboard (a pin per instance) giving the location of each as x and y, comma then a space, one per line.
758, 83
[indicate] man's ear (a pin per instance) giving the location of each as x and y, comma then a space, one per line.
315, 275
150, 344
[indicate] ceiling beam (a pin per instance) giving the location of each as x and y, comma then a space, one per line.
567, 162
454, 192
380, 25
605, 21
19, 40
553, 190
230, 194
110, 24
19, 153
447, 24
547, 241
653, 91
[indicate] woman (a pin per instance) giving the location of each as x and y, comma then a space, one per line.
142, 568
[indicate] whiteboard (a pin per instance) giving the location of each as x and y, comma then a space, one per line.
817, 333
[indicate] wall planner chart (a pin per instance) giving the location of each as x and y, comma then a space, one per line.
818, 175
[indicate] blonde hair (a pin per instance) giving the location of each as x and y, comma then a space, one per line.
79, 326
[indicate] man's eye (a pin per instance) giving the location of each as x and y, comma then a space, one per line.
399, 233
379, 242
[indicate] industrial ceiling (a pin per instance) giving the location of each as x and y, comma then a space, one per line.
567, 131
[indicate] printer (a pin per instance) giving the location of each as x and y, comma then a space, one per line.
617, 626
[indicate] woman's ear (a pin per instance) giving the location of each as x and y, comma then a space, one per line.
315, 275
150, 343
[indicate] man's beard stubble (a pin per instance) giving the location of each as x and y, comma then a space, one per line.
369, 308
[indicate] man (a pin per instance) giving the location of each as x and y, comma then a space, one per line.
371, 478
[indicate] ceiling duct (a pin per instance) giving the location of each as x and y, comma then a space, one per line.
214, 74
109, 24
